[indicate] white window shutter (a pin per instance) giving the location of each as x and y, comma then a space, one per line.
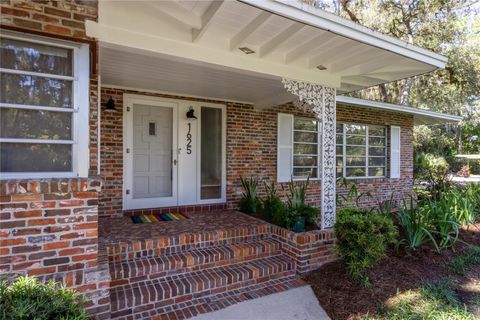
394, 152
284, 147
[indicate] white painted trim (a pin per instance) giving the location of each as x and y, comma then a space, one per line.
398, 108
183, 95
37, 74
31, 107
81, 100
310, 15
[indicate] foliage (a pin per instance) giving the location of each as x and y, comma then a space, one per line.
27, 298
442, 290
435, 171
353, 197
460, 264
274, 209
427, 221
250, 202
362, 239
296, 203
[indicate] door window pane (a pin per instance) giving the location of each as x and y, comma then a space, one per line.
33, 90
29, 157
211, 153
28, 56
35, 124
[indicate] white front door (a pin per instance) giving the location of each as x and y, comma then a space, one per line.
151, 153
172, 159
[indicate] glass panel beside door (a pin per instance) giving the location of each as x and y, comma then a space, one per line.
211, 153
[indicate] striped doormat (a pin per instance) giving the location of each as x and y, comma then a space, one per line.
170, 216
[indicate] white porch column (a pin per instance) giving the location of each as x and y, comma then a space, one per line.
321, 100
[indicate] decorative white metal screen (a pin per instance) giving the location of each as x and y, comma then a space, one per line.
321, 100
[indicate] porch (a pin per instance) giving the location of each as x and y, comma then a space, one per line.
204, 263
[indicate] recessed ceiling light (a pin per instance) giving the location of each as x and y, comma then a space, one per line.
320, 67
246, 50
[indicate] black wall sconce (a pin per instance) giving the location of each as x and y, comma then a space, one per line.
110, 106
190, 114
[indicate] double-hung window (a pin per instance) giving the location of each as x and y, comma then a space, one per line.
361, 150
44, 87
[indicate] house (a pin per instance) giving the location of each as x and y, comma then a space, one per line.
115, 108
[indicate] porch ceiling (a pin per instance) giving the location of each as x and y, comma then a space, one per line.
288, 40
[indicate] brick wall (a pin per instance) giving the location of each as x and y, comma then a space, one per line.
382, 188
251, 149
49, 229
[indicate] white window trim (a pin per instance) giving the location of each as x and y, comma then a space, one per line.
367, 166
79, 110
319, 135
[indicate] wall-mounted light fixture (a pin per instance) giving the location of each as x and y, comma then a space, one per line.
110, 106
190, 113
246, 50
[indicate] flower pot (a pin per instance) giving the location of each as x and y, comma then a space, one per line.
299, 226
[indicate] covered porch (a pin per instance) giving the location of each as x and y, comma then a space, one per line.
232, 55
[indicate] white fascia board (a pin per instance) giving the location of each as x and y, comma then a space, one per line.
194, 52
435, 116
307, 14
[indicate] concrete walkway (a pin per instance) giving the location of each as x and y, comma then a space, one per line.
295, 304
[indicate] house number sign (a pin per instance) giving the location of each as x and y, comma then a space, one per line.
189, 139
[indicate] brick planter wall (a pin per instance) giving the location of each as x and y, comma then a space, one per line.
49, 229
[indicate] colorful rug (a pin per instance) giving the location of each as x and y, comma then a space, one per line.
170, 216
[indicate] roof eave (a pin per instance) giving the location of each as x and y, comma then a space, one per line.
421, 116
312, 16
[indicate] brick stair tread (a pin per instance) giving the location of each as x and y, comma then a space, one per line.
155, 267
193, 307
176, 289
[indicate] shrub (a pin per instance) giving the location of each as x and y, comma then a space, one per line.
435, 171
250, 202
26, 299
362, 239
274, 209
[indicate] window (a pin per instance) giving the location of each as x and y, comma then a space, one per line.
361, 150
43, 108
305, 148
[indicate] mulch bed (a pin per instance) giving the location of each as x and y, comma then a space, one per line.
343, 298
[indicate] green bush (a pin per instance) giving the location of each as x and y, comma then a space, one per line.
26, 299
297, 206
362, 239
274, 210
435, 171
250, 202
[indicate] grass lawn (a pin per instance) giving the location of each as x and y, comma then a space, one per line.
420, 285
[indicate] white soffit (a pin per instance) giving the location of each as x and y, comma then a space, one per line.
421, 116
288, 39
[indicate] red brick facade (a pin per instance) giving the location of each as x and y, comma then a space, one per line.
49, 229
251, 150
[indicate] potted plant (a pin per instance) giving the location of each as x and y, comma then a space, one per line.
299, 211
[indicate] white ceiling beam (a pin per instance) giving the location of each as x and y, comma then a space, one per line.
323, 39
361, 81
206, 20
256, 23
322, 57
342, 59
280, 38
174, 10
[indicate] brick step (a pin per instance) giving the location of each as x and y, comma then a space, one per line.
193, 307
162, 245
133, 299
155, 267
